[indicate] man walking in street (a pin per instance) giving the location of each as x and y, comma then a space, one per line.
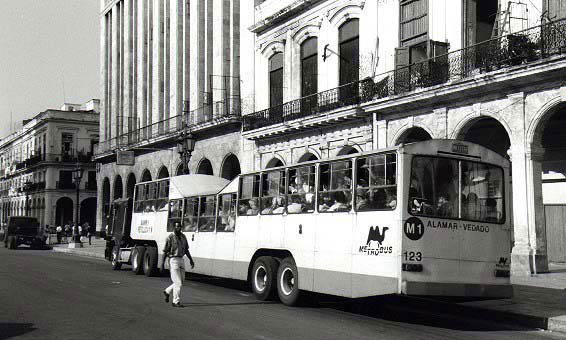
176, 247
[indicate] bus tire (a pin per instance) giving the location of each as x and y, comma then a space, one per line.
288, 282
114, 258
137, 259
150, 261
264, 276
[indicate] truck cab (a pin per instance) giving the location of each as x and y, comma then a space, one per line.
23, 230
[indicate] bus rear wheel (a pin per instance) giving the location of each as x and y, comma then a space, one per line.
137, 259
263, 279
150, 261
288, 282
115, 259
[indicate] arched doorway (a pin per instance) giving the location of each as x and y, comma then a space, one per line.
274, 163
64, 211
163, 173
88, 211
230, 167
118, 187
307, 157
205, 167
105, 200
146, 176
347, 150
414, 134
548, 157
130, 185
487, 132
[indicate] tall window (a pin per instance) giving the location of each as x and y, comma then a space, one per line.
556, 9
276, 79
309, 67
66, 144
349, 39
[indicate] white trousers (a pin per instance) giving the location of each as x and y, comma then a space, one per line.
177, 270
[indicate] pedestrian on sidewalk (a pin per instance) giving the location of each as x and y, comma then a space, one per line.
67, 232
87, 229
176, 247
59, 231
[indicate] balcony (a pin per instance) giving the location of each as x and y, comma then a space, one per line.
63, 185
201, 119
521, 48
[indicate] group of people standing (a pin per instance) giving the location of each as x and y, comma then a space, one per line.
71, 230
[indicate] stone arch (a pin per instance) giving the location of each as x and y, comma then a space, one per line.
88, 211
230, 167
412, 134
308, 30
351, 10
487, 131
163, 172
540, 119
64, 211
205, 167
308, 156
118, 187
275, 162
277, 46
348, 150
146, 176
130, 185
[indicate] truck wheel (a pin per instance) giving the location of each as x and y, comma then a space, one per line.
264, 275
137, 260
288, 282
150, 261
12, 242
114, 259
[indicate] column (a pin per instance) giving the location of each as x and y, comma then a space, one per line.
115, 89
176, 60
234, 58
381, 127
142, 43
537, 223
167, 59
103, 74
197, 45
157, 75
127, 67
441, 123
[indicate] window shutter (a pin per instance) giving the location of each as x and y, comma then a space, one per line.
402, 57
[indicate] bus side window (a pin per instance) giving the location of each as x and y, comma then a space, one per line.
140, 193
226, 220
175, 214
206, 211
335, 187
376, 187
301, 190
150, 191
163, 195
249, 195
190, 217
273, 193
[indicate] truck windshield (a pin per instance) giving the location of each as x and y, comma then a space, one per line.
450, 188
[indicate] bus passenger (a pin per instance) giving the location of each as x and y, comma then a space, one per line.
443, 206
339, 202
253, 210
243, 208
392, 200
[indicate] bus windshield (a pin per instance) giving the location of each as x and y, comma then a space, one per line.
450, 188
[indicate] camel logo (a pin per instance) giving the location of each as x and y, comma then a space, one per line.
503, 263
376, 235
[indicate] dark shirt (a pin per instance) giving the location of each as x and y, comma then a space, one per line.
177, 246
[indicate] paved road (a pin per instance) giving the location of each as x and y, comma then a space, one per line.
47, 295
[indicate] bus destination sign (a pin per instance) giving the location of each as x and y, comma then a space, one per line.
460, 148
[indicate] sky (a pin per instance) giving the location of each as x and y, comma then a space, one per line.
49, 54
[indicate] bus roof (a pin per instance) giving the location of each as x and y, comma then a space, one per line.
195, 185
232, 187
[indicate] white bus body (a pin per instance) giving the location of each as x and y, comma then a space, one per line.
428, 218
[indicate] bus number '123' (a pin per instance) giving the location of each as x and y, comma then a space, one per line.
413, 256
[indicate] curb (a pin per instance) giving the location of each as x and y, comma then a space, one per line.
557, 323
79, 253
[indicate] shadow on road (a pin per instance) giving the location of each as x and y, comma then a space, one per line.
9, 330
394, 308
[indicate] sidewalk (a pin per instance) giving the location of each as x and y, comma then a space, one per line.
94, 250
539, 301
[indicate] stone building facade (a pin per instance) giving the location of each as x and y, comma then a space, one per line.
167, 67
36, 164
334, 77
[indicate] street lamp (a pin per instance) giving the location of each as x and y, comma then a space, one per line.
185, 147
77, 176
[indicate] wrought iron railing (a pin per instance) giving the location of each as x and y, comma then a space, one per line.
514, 49
171, 126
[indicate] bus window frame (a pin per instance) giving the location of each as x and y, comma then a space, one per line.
233, 205
255, 198
262, 209
185, 205
385, 186
314, 188
203, 199
319, 191
503, 219
179, 219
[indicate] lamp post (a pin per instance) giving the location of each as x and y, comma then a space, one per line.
185, 147
77, 177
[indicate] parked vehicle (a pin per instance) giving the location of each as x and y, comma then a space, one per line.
23, 230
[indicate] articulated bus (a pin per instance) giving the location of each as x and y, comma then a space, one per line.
427, 218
